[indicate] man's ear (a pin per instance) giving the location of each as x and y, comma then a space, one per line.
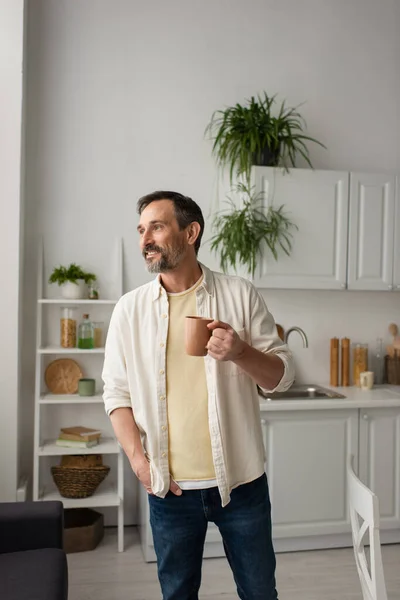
193, 231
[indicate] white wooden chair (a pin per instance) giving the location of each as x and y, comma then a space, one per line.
364, 515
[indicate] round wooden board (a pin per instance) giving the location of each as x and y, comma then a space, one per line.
62, 376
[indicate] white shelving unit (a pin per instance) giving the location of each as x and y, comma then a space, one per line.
107, 495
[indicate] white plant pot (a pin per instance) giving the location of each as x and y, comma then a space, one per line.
73, 291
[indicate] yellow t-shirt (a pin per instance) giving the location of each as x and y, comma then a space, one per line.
190, 455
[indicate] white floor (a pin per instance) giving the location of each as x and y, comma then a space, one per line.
103, 574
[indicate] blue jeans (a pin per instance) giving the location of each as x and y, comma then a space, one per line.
179, 525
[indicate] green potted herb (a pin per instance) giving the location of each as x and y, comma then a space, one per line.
255, 134
72, 280
243, 234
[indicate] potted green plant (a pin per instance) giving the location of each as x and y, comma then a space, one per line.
243, 233
244, 136
72, 280
255, 134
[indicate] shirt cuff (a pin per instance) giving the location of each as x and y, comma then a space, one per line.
110, 406
288, 376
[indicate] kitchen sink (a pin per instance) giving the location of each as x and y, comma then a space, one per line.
303, 392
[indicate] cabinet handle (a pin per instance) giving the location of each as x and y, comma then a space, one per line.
365, 417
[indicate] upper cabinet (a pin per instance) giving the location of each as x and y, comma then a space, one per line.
396, 262
348, 230
317, 202
371, 231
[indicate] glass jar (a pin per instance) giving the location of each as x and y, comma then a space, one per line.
98, 328
360, 361
93, 290
68, 327
85, 334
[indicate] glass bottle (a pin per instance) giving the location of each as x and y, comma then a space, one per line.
68, 327
85, 334
378, 362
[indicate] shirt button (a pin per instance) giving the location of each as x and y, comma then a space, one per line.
162, 371
164, 316
162, 397
163, 428
163, 455
161, 344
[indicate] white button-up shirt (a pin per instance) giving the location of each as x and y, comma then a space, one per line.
135, 371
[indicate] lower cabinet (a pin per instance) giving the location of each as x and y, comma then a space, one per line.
307, 454
379, 463
306, 462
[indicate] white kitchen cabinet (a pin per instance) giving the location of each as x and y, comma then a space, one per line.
306, 461
379, 460
317, 202
306, 454
371, 231
396, 264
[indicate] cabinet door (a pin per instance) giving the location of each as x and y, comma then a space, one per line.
317, 202
379, 460
371, 231
396, 266
306, 467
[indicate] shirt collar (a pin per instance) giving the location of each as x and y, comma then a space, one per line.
207, 283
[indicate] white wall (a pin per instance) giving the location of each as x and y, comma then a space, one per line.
11, 53
120, 94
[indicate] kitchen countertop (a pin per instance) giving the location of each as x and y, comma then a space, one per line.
385, 396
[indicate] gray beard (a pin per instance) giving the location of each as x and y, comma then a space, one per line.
159, 266
167, 262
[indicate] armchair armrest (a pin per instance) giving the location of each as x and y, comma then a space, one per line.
31, 525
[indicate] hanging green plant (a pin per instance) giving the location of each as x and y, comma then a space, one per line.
255, 134
242, 233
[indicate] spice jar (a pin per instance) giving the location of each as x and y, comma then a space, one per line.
68, 327
360, 361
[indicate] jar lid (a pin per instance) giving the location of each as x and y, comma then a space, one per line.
85, 316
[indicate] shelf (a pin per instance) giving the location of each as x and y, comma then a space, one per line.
68, 301
106, 446
60, 350
70, 399
108, 497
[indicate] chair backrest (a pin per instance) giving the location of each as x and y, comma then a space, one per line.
364, 515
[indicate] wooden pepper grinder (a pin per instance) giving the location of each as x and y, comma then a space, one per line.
345, 355
335, 362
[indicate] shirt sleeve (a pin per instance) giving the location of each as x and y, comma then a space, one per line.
116, 389
264, 337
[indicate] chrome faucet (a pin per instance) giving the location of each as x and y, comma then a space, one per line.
300, 331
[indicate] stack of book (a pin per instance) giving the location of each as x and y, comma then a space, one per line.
78, 437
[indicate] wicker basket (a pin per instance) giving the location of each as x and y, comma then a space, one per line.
73, 482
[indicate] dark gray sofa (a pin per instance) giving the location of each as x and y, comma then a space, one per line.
33, 564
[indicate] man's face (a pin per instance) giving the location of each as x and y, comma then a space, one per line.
162, 243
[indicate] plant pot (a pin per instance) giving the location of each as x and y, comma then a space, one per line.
266, 157
73, 291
